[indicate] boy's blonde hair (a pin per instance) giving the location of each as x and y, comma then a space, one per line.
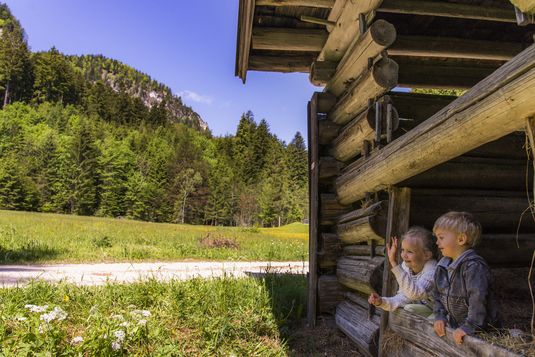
460, 222
425, 237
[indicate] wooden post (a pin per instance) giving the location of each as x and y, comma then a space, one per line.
313, 181
397, 224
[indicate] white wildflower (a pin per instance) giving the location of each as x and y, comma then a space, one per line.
125, 324
119, 335
139, 313
20, 318
131, 306
36, 308
116, 346
43, 328
77, 340
56, 314
142, 322
117, 317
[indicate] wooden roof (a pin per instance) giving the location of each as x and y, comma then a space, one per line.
272, 35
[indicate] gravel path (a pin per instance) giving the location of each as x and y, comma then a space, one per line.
98, 274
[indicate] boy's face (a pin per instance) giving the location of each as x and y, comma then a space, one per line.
451, 244
413, 254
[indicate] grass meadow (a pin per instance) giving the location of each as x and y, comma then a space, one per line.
53, 238
214, 317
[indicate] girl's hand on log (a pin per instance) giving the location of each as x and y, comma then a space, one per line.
375, 299
440, 327
392, 252
458, 335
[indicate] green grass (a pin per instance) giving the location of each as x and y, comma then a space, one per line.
54, 238
227, 317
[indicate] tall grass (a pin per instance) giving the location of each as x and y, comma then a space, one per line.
40, 237
242, 317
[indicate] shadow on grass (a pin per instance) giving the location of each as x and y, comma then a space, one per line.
288, 294
29, 253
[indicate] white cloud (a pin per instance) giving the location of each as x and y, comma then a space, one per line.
195, 97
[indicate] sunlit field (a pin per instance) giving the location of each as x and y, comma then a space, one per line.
53, 238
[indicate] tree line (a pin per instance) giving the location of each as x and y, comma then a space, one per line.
79, 136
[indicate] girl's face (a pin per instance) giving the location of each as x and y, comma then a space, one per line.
413, 254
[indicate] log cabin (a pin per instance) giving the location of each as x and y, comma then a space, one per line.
384, 156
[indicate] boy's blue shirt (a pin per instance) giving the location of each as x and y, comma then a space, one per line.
463, 293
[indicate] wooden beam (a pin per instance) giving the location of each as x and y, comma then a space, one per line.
330, 251
379, 36
420, 331
417, 72
382, 77
446, 9
530, 131
330, 293
363, 249
326, 4
399, 207
448, 47
350, 141
346, 29
363, 229
245, 27
288, 39
363, 274
285, 64
313, 184
330, 209
352, 319
328, 131
329, 167
494, 108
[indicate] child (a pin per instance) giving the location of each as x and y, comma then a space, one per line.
414, 275
463, 294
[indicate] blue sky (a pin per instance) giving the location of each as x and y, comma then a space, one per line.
188, 45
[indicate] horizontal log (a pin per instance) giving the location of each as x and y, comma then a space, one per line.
359, 300
327, 131
363, 230
346, 29
372, 209
376, 81
494, 108
330, 250
350, 142
330, 209
497, 211
321, 72
363, 249
415, 72
507, 250
353, 321
380, 35
285, 64
288, 39
326, 4
447, 9
326, 102
473, 173
330, 293
449, 47
420, 331
329, 167
363, 274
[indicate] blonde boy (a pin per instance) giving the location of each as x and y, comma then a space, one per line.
463, 293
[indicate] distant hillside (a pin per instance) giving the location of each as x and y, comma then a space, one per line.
123, 78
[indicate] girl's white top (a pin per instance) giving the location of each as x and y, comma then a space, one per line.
413, 288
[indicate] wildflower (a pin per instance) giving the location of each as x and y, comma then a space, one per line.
119, 335
116, 346
56, 314
117, 317
131, 306
20, 318
125, 324
36, 308
43, 328
77, 340
142, 322
138, 313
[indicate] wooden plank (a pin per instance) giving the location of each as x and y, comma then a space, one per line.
330, 251
327, 131
399, 207
353, 321
420, 331
313, 179
288, 39
326, 4
448, 47
373, 209
284, 64
530, 131
447, 9
330, 209
363, 249
329, 167
363, 274
346, 29
380, 35
363, 230
376, 81
494, 108
330, 293
245, 27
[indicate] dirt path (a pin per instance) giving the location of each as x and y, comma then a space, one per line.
98, 274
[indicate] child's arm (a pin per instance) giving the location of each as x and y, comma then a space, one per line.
477, 280
414, 290
388, 303
440, 313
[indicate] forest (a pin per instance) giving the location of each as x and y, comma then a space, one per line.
89, 135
